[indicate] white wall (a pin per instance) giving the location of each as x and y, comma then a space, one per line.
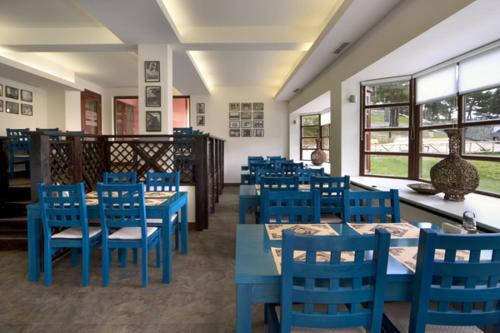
274, 142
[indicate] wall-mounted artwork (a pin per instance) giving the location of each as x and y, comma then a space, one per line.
27, 109
1, 106
153, 121
200, 107
246, 124
258, 123
234, 124
258, 115
26, 96
247, 132
153, 96
258, 132
11, 107
11, 92
200, 120
234, 133
1, 90
234, 115
258, 106
234, 106
152, 71
246, 114
246, 106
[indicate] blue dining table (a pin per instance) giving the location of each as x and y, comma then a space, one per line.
172, 205
258, 282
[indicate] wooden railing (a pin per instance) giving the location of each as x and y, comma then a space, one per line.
70, 158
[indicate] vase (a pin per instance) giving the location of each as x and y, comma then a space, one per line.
453, 175
318, 156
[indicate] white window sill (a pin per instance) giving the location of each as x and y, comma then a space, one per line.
485, 207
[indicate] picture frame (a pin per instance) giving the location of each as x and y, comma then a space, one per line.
153, 96
1, 90
152, 71
234, 124
246, 106
246, 124
153, 121
258, 124
246, 114
11, 107
259, 106
258, 132
234, 115
200, 120
200, 107
234, 106
234, 133
11, 92
1, 105
247, 132
27, 109
258, 115
26, 96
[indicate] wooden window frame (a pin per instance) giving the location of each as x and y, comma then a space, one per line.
309, 137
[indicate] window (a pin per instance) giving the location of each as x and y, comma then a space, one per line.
310, 131
181, 111
325, 140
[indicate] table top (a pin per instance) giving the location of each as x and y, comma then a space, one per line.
255, 264
147, 195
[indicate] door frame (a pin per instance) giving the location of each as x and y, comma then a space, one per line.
92, 95
114, 108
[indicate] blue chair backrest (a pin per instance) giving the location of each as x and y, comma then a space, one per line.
457, 288
267, 172
254, 166
289, 207
330, 189
291, 167
19, 140
163, 181
306, 174
119, 177
255, 159
183, 130
63, 206
279, 183
275, 158
312, 292
122, 205
370, 206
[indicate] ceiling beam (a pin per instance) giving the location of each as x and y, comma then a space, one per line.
73, 48
50, 36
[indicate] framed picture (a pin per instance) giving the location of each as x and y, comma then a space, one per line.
246, 106
258, 132
246, 124
234, 115
152, 71
1, 106
1, 90
200, 120
234, 133
153, 121
153, 96
11, 92
11, 107
246, 132
258, 123
258, 115
234, 124
27, 109
200, 107
258, 106
26, 96
234, 106
246, 114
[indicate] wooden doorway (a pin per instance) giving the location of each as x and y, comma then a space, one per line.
126, 115
91, 112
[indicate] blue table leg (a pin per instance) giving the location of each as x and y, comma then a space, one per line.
167, 248
33, 248
243, 308
243, 210
184, 229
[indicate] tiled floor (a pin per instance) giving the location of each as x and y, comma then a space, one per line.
200, 298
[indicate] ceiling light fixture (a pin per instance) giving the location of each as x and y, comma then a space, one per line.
341, 48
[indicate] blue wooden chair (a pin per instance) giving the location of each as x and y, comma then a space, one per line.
291, 167
164, 182
332, 292
279, 183
371, 206
19, 146
454, 294
289, 207
306, 174
123, 221
255, 159
331, 189
267, 172
275, 158
65, 225
119, 177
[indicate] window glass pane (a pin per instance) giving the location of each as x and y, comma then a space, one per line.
306, 155
327, 152
489, 175
381, 165
387, 141
434, 142
426, 163
310, 120
308, 143
325, 143
325, 130
387, 117
387, 93
483, 105
439, 113
482, 140
310, 132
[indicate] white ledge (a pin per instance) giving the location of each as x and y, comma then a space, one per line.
486, 208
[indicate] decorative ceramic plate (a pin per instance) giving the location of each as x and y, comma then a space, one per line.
423, 188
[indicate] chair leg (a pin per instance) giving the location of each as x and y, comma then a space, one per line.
158, 251
134, 256
85, 266
47, 265
105, 266
74, 257
177, 235
144, 262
